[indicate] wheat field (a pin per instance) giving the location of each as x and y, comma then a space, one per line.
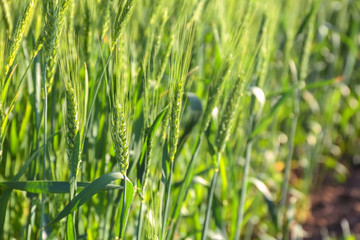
179, 119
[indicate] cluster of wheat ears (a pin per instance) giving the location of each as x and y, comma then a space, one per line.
141, 119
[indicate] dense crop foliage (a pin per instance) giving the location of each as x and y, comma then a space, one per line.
180, 119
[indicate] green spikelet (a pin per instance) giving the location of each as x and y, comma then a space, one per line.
164, 126
165, 60
148, 161
6, 14
264, 55
72, 120
119, 137
18, 35
228, 117
63, 10
1, 122
307, 51
176, 102
159, 36
39, 44
213, 98
48, 29
0, 148
54, 43
87, 32
121, 18
106, 19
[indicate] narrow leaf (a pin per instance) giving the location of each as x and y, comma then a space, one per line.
157, 122
49, 186
70, 230
128, 200
86, 194
266, 121
141, 166
75, 157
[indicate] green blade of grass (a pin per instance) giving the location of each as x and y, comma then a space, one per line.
267, 120
86, 194
70, 228
141, 166
193, 112
240, 214
4, 198
129, 196
184, 189
49, 186
204, 232
305, 22
309, 86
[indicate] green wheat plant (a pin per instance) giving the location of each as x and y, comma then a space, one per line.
180, 119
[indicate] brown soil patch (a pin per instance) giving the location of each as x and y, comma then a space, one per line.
331, 204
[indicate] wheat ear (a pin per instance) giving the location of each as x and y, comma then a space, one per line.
176, 102
213, 98
119, 137
6, 14
18, 35
72, 120
121, 18
1, 123
54, 43
228, 116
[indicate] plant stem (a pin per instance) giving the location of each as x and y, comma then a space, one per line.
243, 190
287, 171
123, 207
92, 105
32, 170
184, 189
210, 199
140, 221
42, 236
167, 202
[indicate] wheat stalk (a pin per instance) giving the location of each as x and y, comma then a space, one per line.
120, 141
18, 35
221, 139
6, 14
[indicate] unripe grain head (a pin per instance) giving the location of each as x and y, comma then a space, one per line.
119, 137
72, 120
228, 117
121, 18
6, 14
176, 103
55, 30
213, 98
1, 122
18, 35
148, 160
